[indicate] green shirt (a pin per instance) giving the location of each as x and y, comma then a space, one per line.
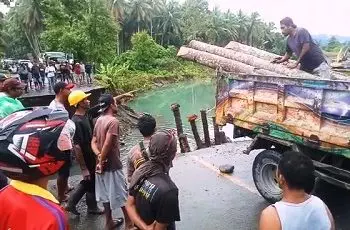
9, 105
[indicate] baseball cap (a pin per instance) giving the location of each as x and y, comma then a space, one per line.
62, 85
3, 77
11, 83
105, 101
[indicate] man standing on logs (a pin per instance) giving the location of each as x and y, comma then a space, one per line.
300, 42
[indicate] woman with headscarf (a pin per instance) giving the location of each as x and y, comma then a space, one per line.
153, 197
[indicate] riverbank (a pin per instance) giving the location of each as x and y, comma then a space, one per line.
160, 106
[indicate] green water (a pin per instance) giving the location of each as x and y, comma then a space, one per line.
191, 96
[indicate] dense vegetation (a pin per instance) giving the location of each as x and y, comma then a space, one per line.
97, 30
147, 64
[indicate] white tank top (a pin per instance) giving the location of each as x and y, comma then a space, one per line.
309, 215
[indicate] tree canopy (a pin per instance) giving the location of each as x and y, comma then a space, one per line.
98, 30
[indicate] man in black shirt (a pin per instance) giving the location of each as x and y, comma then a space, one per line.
88, 71
84, 154
300, 43
153, 197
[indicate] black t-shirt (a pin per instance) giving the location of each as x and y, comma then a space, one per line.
313, 58
35, 70
88, 68
157, 200
83, 137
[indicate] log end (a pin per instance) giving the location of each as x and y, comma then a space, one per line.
183, 51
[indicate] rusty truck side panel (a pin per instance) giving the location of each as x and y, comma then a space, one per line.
301, 111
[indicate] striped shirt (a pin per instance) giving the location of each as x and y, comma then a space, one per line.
30, 207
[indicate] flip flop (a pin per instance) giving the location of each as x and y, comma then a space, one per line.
117, 223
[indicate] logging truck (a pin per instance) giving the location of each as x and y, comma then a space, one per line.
286, 113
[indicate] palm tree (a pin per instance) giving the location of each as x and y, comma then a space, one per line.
118, 8
241, 21
140, 11
157, 8
219, 32
253, 25
170, 22
32, 22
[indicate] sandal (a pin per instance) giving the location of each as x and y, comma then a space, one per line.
116, 223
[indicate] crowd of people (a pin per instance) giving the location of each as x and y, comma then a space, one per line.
38, 75
92, 134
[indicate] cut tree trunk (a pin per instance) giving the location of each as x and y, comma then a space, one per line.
215, 61
250, 60
241, 48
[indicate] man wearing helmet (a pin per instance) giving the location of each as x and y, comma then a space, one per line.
110, 179
32, 147
84, 154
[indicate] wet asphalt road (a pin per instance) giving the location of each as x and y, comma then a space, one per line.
210, 200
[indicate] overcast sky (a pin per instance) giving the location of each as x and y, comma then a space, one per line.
318, 16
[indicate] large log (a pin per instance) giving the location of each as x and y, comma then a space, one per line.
215, 61
250, 60
238, 47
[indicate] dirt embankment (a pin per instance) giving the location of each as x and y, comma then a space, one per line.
127, 118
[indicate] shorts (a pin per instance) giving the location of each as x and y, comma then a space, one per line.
323, 70
111, 188
65, 170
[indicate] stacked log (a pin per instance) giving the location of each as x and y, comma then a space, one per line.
241, 48
251, 60
215, 61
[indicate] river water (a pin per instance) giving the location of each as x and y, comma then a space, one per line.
191, 96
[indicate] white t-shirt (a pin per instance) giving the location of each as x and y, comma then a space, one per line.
70, 125
50, 70
82, 68
56, 105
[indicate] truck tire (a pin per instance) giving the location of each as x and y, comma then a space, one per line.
264, 175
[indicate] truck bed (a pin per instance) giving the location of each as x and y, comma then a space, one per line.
303, 111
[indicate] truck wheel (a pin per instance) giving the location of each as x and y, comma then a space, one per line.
264, 175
